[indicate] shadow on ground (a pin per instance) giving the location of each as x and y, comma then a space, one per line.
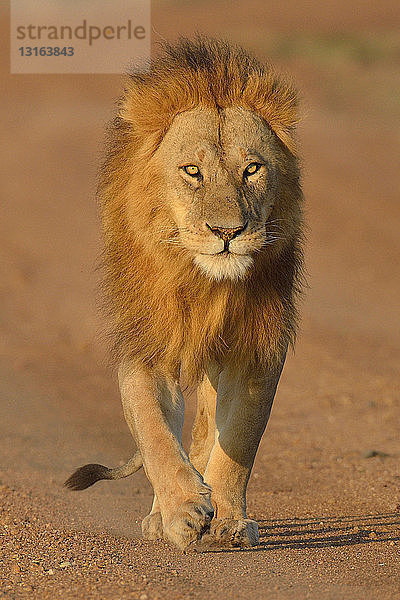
325, 532
329, 532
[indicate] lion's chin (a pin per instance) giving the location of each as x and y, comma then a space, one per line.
224, 266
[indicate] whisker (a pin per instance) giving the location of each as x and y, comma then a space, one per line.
274, 234
275, 221
274, 226
172, 242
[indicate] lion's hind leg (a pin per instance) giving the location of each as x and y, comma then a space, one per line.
152, 527
203, 432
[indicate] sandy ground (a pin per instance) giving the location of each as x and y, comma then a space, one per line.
325, 486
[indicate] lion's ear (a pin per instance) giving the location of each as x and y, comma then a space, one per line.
276, 100
284, 126
287, 137
144, 110
149, 102
131, 102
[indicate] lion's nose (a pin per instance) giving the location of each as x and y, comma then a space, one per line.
226, 233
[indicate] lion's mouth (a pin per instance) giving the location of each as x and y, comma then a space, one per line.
226, 253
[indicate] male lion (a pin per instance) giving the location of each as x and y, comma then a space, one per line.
201, 205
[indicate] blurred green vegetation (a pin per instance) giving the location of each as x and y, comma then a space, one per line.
352, 69
337, 48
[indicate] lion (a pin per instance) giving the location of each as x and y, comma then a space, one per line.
201, 206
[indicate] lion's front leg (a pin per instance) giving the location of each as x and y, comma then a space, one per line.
153, 408
243, 408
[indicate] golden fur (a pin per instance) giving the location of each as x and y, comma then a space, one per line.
166, 313
201, 205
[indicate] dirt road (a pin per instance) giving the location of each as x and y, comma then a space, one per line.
326, 484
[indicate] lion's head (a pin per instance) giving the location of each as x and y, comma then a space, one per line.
220, 172
209, 137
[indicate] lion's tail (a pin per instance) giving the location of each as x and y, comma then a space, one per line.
87, 475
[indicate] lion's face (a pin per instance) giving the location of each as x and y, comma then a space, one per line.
220, 171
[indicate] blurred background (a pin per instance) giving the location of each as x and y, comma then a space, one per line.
339, 395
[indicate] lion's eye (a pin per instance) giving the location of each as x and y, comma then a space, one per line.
191, 170
251, 169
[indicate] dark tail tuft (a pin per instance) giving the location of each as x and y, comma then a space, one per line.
86, 476
89, 474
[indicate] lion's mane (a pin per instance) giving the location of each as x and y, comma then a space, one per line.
164, 311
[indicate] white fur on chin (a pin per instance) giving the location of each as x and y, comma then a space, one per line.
223, 266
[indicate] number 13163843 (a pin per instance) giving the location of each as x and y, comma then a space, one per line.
46, 51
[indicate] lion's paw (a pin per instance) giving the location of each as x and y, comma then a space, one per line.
189, 523
152, 527
233, 533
